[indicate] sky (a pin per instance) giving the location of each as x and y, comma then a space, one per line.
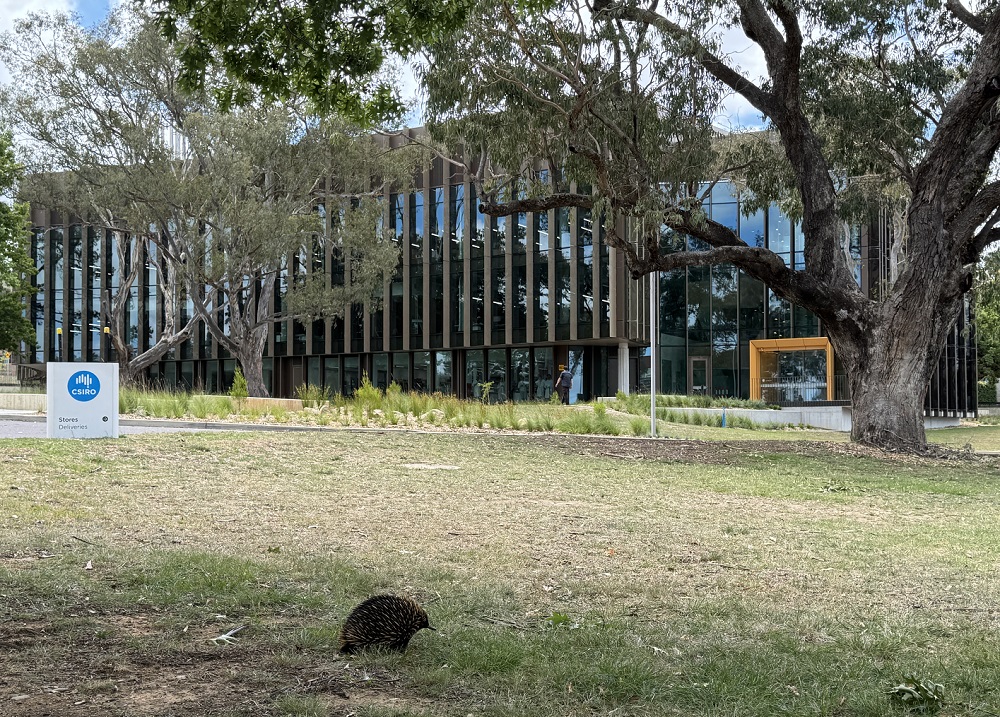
742, 52
90, 11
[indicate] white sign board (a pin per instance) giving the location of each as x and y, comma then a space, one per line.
82, 400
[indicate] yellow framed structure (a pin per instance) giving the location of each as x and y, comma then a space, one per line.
776, 346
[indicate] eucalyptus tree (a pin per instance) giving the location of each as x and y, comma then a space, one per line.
266, 194
226, 199
15, 263
865, 104
90, 108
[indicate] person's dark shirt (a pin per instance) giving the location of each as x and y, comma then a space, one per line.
565, 379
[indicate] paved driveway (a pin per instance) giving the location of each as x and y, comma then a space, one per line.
36, 429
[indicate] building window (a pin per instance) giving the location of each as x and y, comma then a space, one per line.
401, 370
477, 297
337, 337
357, 327
416, 228
377, 318
436, 335
443, 372
74, 334
436, 218
318, 337
543, 373
605, 279
497, 375
423, 375
479, 230
416, 309
520, 374
585, 274
498, 299
352, 374
563, 287
56, 304
519, 299
331, 374
94, 318
456, 230
38, 253
779, 234
396, 312
475, 374
380, 371
541, 283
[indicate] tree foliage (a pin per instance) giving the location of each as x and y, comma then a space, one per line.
224, 203
16, 266
333, 52
988, 318
870, 108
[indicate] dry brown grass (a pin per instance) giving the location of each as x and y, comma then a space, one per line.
692, 545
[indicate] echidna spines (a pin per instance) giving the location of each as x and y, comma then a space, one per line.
387, 621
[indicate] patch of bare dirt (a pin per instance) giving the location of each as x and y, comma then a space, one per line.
62, 670
726, 453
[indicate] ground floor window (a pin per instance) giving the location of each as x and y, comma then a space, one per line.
475, 374
443, 372
791, 370
380, 371
497, 376
544, 373
331, 374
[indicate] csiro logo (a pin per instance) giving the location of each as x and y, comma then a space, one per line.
84, 386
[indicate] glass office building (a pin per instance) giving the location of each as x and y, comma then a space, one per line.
479, 304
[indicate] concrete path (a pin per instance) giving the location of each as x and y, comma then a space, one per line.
13, 426
21, 424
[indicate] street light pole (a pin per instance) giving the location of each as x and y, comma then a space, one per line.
653, 331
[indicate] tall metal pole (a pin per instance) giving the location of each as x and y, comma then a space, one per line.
653, 331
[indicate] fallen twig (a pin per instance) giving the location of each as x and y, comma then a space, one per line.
228, 638
505, 623
727, 565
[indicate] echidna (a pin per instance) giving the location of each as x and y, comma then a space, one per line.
382, 621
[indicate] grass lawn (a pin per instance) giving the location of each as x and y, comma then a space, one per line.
566, 575
980, 437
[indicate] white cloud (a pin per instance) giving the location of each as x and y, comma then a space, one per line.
746, 57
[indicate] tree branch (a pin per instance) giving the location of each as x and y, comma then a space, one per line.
961, 122
764, 101
537, 204
986, 236
984, 204
966, 16
757, 259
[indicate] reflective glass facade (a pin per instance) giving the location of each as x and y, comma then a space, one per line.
477, 306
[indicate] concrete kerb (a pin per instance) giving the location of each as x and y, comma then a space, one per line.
831, 418
193, 425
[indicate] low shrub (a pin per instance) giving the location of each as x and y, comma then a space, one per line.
577, 422
639, 426
312, 396
368, 395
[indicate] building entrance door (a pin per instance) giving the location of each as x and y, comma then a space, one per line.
699, 377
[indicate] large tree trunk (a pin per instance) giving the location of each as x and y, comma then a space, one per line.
887, 400
252, 362
890, 365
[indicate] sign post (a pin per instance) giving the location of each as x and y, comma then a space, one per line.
82, 400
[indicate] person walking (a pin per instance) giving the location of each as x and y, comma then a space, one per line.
564, 383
